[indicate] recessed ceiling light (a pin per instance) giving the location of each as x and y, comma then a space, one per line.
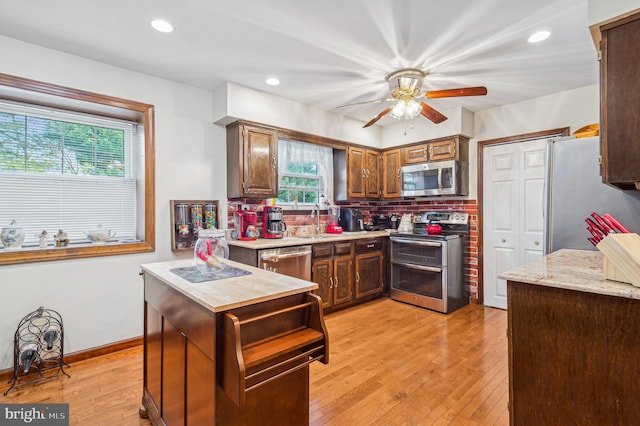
539, 36
272, 81
162, 25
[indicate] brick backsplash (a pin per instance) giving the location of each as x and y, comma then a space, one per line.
373, 208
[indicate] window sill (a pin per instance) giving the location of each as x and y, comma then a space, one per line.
76, 251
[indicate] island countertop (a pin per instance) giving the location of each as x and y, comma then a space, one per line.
229, 293
268, 243
579, 270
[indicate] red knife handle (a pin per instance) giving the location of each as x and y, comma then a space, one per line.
602, 225
595, 233
614, 223
592, 241
591, 225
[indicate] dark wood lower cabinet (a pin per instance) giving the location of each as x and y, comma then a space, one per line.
573, 357
246, 366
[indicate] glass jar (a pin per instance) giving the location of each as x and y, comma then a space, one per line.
210, 216
210, 249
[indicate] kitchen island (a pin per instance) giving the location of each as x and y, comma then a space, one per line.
573, 343
229, 350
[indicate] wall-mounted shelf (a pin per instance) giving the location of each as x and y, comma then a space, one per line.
189, 215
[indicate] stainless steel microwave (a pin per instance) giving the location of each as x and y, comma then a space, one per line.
436, 178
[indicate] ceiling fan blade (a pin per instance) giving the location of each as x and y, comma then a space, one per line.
365, 102
432, 114
377, 117
451, 93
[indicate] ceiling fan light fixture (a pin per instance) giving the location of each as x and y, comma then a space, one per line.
397, 111
406, 109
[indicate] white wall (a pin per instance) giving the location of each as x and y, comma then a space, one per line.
573, 108
101, 299
602, 10
233, 102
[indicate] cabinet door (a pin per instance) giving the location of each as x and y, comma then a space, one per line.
391, 182
355, 173
173, 377
260, 165
442, 150
369, 274
620, 95
372, 175
342, 282
415, 154
322, 274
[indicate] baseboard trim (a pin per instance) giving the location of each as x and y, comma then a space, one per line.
6, 375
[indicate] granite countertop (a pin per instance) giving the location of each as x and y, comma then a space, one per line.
579, 270
229, 293
267, 243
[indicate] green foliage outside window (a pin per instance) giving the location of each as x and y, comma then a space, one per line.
39, 145
301, 184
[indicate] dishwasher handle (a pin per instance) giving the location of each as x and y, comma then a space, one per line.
284, 254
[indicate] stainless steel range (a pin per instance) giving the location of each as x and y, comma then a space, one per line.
428, 270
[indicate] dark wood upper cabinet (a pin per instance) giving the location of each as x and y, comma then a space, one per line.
620, 102
415, 154
391, 177
372, 174
252, 161
363, 173
444, 149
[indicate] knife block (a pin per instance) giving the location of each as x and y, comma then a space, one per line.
621, 257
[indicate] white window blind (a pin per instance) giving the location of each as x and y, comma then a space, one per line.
70, 171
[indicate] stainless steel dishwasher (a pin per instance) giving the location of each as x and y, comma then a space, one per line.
293, 261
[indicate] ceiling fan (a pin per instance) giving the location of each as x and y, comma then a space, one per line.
405, 86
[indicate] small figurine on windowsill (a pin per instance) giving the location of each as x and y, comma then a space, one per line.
62, 240
43, 239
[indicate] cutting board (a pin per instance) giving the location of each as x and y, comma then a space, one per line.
621, 257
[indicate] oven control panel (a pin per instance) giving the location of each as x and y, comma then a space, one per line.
444, 218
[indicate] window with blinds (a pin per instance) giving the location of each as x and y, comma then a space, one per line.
69, 171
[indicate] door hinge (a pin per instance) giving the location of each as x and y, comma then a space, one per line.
600, 159
599, 55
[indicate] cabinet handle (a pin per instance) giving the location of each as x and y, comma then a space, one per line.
399, 171
330, 282
424, 152
336, 284
367, 173
364, 174
273, 162
371, 245
357, 276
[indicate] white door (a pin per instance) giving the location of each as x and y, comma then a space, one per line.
513, 224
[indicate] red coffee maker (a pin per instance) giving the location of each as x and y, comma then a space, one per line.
243, 220
273, 225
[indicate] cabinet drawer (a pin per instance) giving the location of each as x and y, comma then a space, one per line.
415, 154
368, 245
322, 250
443, 150
342, 248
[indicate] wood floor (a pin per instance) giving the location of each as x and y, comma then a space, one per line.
390, 364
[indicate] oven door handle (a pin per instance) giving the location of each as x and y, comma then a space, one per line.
418, 267
416, 242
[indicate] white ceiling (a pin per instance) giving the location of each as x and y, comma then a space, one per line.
328, 52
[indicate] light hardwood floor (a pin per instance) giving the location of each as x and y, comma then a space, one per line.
390, 364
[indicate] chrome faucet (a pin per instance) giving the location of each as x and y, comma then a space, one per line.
316, 209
